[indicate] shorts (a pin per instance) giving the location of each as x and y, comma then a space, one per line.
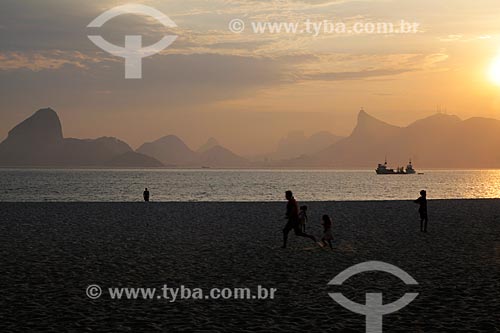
293, 225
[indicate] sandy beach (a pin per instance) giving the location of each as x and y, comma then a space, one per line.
51, 252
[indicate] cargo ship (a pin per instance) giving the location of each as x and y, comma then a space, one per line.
383, 169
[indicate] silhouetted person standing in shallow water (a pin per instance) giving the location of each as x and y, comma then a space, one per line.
292, 215
146, 194
422, 201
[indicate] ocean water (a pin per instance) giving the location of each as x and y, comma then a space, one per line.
240, 185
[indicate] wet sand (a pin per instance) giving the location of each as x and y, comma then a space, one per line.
51, 252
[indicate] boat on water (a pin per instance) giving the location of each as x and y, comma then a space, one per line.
383, 169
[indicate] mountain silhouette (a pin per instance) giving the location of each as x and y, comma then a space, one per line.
42, 128
33, 141
211, 143
369, 127
438, 141
39, 141
220, 157
170, 150
132, 159
369, 142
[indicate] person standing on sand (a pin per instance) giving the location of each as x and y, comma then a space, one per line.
422, 201
146, 194
292, 215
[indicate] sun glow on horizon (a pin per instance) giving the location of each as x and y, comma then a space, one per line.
494, 71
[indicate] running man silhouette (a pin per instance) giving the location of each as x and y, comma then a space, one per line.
422, 201
146, 194
292, 215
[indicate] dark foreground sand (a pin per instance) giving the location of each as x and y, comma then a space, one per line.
51, 252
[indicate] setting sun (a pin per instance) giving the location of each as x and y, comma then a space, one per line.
495, 71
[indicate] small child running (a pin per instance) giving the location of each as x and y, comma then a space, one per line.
303, 218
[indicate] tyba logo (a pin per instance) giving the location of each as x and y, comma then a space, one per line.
374, 309
133, 52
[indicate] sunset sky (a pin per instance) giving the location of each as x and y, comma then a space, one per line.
247, 90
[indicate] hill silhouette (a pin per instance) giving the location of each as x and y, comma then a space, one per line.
172, 151
131, 159
211, 143
39, 141
220, 157
438, 141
